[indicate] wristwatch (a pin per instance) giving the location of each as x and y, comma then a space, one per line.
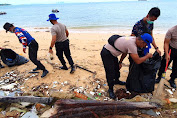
157, 48
50, 47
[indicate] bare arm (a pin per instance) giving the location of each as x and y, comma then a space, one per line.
166, 48
52, 43
139, 60
122, 57
132, 35
155, 46
153, 42
67, 33
121, 60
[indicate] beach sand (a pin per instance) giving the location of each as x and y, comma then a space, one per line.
85, 50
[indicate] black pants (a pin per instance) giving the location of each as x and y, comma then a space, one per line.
111, 67
173, 57
63, 47
33, 48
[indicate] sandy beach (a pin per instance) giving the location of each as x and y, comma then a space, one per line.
85, 50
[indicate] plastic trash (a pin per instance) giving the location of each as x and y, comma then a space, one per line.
2, 93
17, 109
79, 95
31, 114
10, 86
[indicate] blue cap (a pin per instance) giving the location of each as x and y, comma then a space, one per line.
52, 17
147, 38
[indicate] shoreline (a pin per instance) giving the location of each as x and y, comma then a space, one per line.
91, 30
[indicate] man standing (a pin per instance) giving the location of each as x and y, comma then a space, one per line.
124, 46
146, 25
27, 40
169, 43
59, 39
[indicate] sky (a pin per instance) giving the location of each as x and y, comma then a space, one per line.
16, 2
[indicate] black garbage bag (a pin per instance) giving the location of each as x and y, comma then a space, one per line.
10, 58
141, 78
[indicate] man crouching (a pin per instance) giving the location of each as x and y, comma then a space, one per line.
122, 45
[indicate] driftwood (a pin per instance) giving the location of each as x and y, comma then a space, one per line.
89, 109
31, 99
77, 66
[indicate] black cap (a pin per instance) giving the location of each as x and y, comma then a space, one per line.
7, 26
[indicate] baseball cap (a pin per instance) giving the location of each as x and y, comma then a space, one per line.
52, 17
7, 26
147, 38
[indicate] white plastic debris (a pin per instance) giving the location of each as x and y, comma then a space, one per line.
65, 82
10, 86
158, 113
55, 82
24, 104
2, 93
31, 114
92, 93
169, 91
174, 100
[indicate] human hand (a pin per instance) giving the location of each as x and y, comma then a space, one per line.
167, 57
1, 48
158, 51
149, 55
24, 50
50, 51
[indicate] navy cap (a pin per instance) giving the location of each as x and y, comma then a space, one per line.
7, 26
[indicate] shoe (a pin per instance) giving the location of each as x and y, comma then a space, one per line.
157, 80
1, 66
45, 72
111, 94
172, 83
63, 67
36, 69
120, 82
73, 69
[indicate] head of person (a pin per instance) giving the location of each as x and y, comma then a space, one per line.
153, 14
52, 18
144, 41
9, 27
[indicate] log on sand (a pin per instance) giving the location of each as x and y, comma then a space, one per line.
94, 109
31, 99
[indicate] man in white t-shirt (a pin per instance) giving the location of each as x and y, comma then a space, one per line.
124, 46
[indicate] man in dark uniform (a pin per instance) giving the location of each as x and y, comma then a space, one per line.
27, 40
169, 43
